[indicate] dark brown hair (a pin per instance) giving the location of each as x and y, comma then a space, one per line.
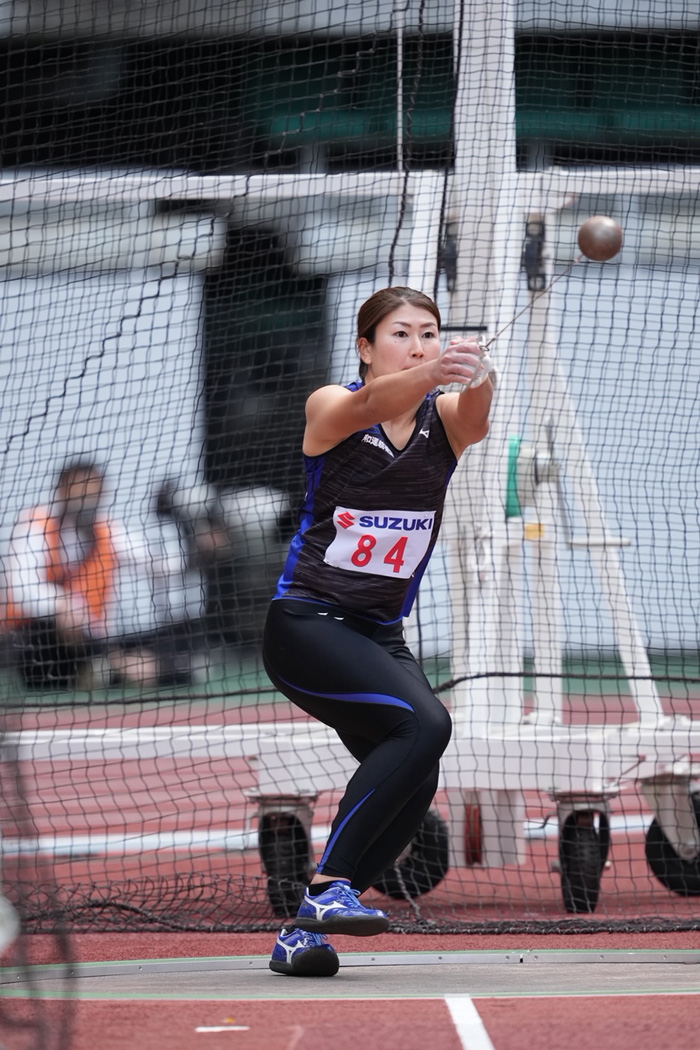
384, 302
76, 468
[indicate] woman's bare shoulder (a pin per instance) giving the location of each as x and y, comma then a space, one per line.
330, 417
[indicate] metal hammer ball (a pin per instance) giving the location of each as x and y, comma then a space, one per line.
599, 238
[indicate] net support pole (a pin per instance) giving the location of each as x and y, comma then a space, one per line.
547, 608
425, 189
486, 584
426, 196
549, 386
399, 20
486, 218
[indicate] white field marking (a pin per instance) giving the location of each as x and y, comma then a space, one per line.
297, 1033
470, 1027
217, 840
223, 1028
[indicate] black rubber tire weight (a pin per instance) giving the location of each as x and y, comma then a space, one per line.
284, 851
423, 866
678, 875
583, 850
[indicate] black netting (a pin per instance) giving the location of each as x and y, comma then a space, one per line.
193, 206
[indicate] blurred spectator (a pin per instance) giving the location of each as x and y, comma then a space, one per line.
260, 525
190, 549
61, 576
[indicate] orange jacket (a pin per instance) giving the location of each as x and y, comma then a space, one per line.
93, 579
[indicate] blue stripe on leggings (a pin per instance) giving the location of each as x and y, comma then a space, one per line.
332, 841
357, 698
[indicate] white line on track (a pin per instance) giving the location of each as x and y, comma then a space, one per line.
230, 840
223, 1028
470, 1027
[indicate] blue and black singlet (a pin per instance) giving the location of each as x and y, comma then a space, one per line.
369, 509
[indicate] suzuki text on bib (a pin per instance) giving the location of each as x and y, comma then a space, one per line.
381, 542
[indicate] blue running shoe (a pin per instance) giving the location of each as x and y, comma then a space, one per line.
303, 954
338, 910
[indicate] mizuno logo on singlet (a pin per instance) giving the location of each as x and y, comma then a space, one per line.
370, 439
367, 521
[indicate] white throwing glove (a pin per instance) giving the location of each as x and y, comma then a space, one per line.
484, 368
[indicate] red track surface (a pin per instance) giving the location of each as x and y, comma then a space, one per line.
621, 1023
586, 1023
539, 1023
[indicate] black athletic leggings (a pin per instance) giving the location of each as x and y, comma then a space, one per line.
360, 678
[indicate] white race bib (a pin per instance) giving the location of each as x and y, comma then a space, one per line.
381, 542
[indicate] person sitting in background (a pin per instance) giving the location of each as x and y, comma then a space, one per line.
188, 540
61, 576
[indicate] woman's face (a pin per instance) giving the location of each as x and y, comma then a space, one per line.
406, 337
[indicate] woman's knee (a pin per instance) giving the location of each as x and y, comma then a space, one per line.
434, 728
442, 723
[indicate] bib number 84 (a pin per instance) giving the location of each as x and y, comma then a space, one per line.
362, 555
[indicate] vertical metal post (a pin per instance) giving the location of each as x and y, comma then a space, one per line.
487, 219
486, 584
547, 608
399, 12
425, 191
549, 386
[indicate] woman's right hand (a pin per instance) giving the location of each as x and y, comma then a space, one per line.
463, 361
